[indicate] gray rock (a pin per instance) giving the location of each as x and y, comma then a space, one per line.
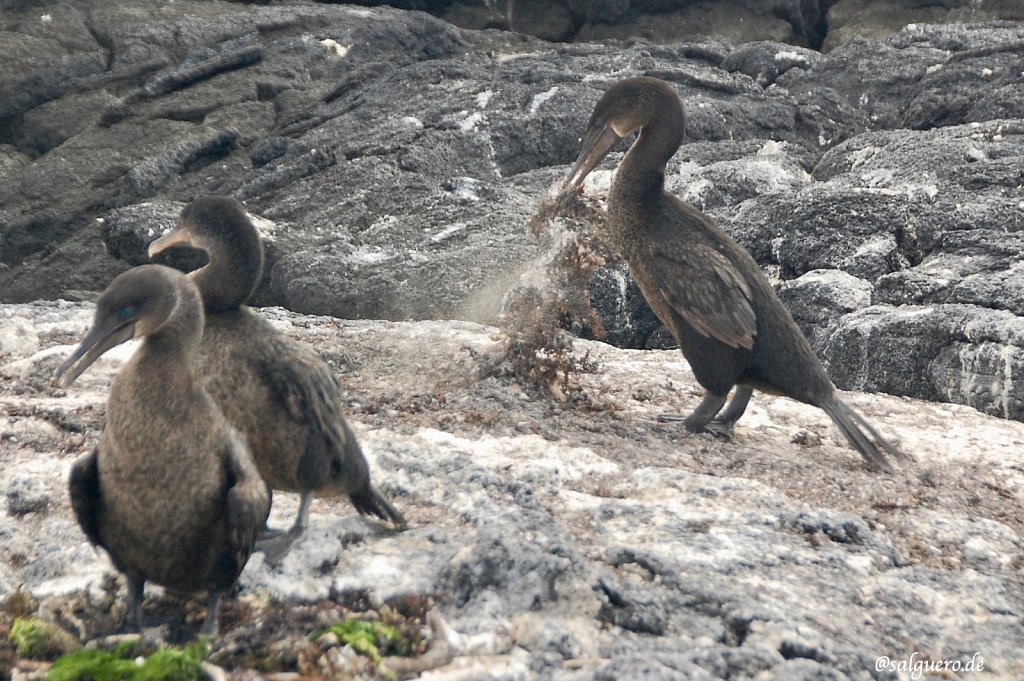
726, 661
628, 321
663, 667
804, 670
495, 573
813, 230
23, 496
45, 56
849, 18
153, 173
11, 159
730, 176
766, 61
818, 298
17, 335
636, 610
128, 231
922, 77
955, 241
814, 24
960, 353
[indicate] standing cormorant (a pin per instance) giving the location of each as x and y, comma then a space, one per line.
708, 291
171, 491
277, 391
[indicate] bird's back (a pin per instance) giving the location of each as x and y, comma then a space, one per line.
285, 399
682, 260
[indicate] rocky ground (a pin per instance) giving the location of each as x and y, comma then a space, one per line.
576, 539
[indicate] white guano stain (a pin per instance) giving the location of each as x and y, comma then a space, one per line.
539, 99
339, 50
470, 122
484, 98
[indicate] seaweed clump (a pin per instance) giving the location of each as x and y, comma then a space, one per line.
342, 644
551, 304
372, 639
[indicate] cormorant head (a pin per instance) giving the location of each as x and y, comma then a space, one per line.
628, 105
137, 303
220, 226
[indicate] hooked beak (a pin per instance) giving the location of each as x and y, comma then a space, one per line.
101, 337
596, 145
179, 236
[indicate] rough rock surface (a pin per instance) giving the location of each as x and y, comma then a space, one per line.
397, 159
584, 540
823, 24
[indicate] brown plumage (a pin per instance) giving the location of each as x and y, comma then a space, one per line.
171, 491
278, 392
731, 326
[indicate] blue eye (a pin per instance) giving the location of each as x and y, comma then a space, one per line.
127, 311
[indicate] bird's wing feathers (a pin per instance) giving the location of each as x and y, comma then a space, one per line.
84, 490
311, 395
248, 503
713, 297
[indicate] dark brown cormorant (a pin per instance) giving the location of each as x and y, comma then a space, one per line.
278, 392
708, 291
171, 491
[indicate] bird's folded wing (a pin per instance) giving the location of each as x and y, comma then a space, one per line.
248, 504
705, 289
84, 490
310, 394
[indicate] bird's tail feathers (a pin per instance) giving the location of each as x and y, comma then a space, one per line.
368, 501
862, 436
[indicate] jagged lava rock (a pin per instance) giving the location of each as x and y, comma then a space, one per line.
400, 158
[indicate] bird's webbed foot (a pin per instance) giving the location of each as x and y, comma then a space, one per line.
706, 417
720, 429
136, 590
275, 544
211, 625
268, 533
700, 420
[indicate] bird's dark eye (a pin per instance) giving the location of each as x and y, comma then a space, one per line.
127, 311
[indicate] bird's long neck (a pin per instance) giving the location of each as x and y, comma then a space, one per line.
640, 181
231, 276
641, 174
166, 355
179, 334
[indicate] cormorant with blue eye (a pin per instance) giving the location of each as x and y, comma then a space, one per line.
277, 391
731, 326
171, 491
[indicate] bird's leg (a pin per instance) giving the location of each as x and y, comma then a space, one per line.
211, 626
724, 422
277, 545
136, 588
268, 532
698, 421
